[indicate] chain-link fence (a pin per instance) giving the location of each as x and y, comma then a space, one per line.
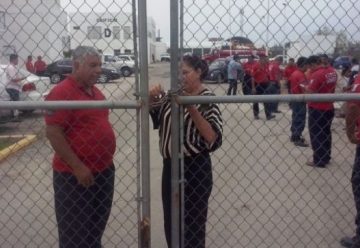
263, 194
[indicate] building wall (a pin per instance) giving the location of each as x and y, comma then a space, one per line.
114, 31
33, 27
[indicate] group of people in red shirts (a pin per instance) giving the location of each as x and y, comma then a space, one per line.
263, 78
308, 75
38, 68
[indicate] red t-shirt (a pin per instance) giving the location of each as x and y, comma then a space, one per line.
39, 66
30, 67
355, 88
274, 71
297, 78
357, 79
88, 131
260, 73
248, 67
289, 69
322, 81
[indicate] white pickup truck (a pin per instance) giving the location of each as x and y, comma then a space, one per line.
125, 67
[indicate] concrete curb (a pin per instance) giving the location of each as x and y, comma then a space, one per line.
27, 140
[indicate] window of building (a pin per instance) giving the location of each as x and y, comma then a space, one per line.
76, 27
94, 32
2, 20
116, 32
117, 51
127, 33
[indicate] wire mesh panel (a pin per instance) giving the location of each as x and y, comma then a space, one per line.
50, 31
264, 194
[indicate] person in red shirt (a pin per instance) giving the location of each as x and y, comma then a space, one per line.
260, 86
352, 119
84, 144
29, 65
275, 76
248, 68
321, 114
289, 69
39, 66
297, 80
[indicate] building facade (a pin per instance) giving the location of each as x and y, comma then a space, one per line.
110, 32
34, 27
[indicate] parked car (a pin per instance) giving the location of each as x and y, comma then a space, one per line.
33, 88
58, 70
125, 66
165, 57
341, 62
126, 57
218, 69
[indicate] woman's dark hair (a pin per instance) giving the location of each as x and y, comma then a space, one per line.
196, 63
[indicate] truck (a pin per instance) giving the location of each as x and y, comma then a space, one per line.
224, 53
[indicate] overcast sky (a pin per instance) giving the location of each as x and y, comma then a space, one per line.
262, 21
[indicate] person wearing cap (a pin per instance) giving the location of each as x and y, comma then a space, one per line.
322, 80
234, 72
296, 82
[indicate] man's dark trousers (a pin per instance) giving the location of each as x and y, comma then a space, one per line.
320, 135
82, 213
298, 119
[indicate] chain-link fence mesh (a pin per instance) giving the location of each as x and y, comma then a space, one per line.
263, 193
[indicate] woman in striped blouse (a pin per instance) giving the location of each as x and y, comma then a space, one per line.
202, 135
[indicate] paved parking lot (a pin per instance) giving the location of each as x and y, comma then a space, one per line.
251, 191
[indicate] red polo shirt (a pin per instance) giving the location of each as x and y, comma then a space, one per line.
88, 131
322, 81
30, 67
357, 79
289, 69
297, 78
355, 88
274, 71
260, 73
248, 67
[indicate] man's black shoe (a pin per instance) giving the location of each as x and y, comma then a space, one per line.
256, 117
301, 143
270, 117
277, 111
347, 241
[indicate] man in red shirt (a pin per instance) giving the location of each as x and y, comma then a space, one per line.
248, 68
84, 144
260, 86
275, 75
29, 65
297, 81
321, 114
39, 66
289, 69
352, 130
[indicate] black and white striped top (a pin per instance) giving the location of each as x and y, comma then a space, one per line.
194, 143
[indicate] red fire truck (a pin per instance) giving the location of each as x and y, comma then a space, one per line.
244, 52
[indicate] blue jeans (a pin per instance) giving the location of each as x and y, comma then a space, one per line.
82, 213
232, 87
320, 135
298, 119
